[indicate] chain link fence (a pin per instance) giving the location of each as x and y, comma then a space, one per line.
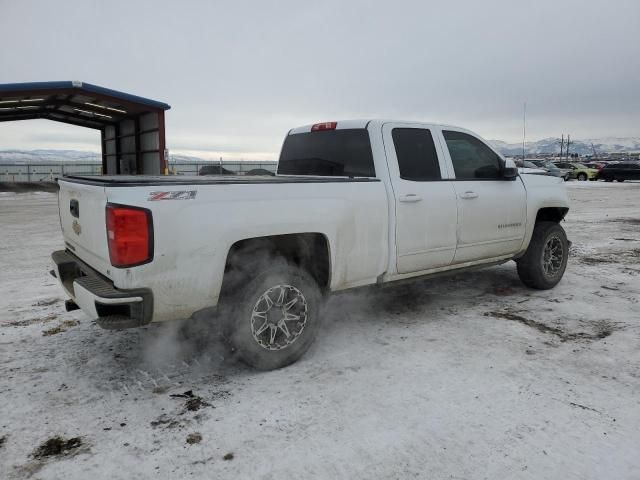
48, 172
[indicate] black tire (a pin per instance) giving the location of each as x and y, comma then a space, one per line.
620, 180
531, 266
581, 177
258, 348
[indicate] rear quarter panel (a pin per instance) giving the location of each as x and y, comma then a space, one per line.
193, 237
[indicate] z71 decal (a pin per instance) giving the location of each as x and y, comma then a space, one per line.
178, 195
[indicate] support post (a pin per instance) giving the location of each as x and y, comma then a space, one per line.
161, 143
103, 142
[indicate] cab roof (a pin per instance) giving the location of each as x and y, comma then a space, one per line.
363, 123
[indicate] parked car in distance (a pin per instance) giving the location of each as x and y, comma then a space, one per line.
578, 170
596, 165
529, 168
553, 170
260, 171
620, 172
215, 170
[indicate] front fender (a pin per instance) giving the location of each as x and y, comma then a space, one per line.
542, 192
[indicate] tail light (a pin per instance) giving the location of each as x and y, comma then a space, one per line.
129, 235
324, 126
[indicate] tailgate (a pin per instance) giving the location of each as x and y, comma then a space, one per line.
82, 219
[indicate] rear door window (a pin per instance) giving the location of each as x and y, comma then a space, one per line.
472, 159
332, 153
416, 153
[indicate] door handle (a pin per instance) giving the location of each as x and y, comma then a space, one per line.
410, 198
469, 194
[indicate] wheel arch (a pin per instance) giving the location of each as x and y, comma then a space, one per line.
309, 250
551, 214
544, 213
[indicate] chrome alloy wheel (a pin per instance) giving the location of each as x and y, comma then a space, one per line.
279, 317
552, 256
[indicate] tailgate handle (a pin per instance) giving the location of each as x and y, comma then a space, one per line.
74, 208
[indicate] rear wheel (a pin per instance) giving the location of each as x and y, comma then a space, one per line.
621, 179
273, 318
545, 261
581, 176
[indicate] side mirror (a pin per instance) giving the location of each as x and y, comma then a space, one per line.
510, 171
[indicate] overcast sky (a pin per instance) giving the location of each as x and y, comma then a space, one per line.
239, 74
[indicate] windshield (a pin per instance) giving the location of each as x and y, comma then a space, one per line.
550, 166
332, 153
579, 165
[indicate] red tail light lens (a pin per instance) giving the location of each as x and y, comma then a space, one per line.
130, 235
324, 126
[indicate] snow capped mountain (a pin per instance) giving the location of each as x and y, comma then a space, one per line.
78, 156
47, 156
546, 145
582, 147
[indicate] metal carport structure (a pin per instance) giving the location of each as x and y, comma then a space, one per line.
132, 128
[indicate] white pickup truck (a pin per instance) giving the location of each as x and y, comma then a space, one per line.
353, 203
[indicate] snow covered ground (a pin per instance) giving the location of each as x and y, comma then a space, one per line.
471, 377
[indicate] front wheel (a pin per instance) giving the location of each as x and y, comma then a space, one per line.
543, 264
273, 319
582, 177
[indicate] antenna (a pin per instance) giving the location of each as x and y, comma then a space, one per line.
524, 128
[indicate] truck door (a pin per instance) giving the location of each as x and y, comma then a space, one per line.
491, 210
425, 200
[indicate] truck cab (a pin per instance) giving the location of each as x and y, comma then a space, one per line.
436, 174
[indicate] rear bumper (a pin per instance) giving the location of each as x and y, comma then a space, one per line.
97, 297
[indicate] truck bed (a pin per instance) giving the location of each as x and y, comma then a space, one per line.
192, 237
150, 180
